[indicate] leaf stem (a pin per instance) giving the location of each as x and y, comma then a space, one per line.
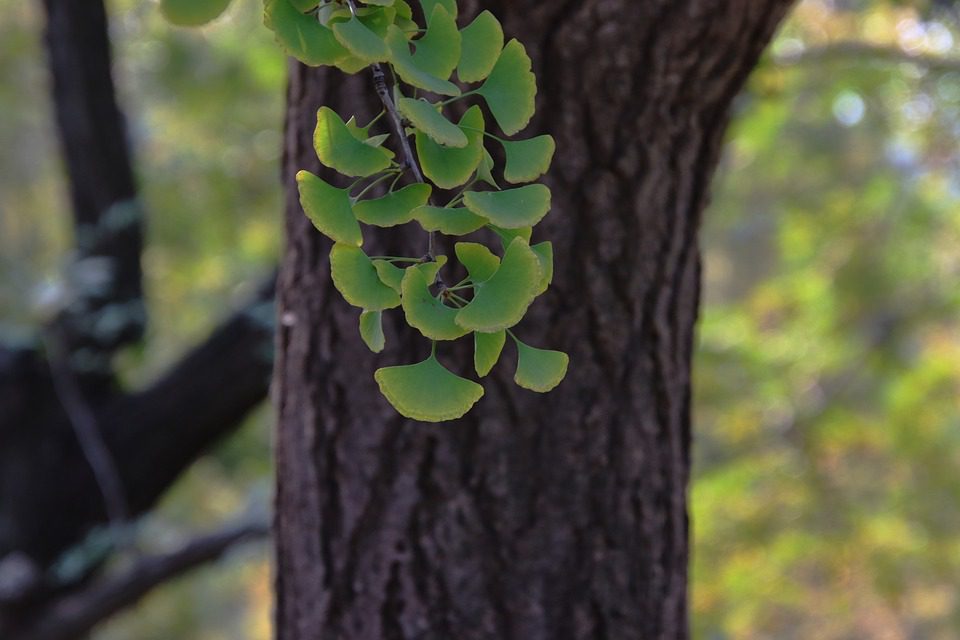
385, 176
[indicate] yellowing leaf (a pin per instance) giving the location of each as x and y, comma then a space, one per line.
479, 261
394, 208
451, 221
338, 147
329, 209
427, 391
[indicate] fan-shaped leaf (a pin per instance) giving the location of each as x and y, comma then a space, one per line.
389, 274
394, 208
482, 41
539, 369
527, 160
452, 221
430, 5
511, 208
431, 269
507, 235
371, 330
450, 167
361, 41
479, 261
409, 72
486, 350
485, 170
302, 36
356, 279
329, 209
544, 251
438, 51
511, 89
501, 302
424, 312
430, 121
338, 147
193, 13
427, 391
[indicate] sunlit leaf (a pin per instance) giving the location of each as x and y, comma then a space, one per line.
425, 117
302, 36
402, 62
482, 42
544, 251
511, 208
449, 167
371, 330
427, 391
501, 302
338, 147
425, 312
479, 261
452, 221
486, 350
394, 208
539, 369
438, 51
527, 160
511, 89
356, 279
193, 13
329, 209
360, 41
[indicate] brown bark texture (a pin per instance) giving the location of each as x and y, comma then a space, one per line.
535, 517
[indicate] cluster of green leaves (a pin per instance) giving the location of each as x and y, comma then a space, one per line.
498, 289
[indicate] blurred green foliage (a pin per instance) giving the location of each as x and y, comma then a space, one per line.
826, 498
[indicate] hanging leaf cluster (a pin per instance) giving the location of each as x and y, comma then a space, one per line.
449, 186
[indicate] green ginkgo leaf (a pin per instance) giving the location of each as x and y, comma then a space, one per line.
305, 5
381, 3
193, 13
338, 147
427, 391
511, 89
539, 369
449, 167
507, 235
409, 72
431, 269
360, 41
511, 208
425, 117
430, 5
371, 330
485, 170
356, 279
544, 251
486, 350
451, 221
394, 208
501, 302
302, 36
438, 51
424, 312
482, 41
479, 261
329, 209
389, 274
527, 160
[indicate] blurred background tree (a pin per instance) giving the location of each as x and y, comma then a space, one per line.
825, 499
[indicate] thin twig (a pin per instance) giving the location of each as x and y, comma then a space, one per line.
85, 427
74, 615
396, 122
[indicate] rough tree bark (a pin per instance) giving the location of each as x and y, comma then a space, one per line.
535, 517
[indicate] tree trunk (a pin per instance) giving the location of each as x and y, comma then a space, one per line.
541, 517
